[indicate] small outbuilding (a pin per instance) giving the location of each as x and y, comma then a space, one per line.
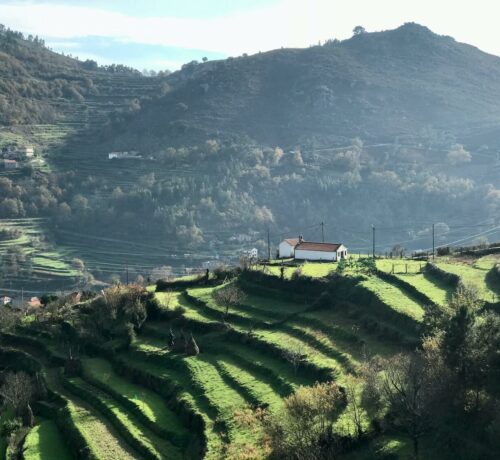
286, 249
10, 164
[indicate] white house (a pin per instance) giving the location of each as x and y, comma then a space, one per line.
29, 152
5, 300
320, 251
286, 249
10, 164
132, 155
251, 254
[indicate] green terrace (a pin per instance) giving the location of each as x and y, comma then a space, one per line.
152, 400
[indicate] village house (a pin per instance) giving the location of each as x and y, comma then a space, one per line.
10, 164
5, 300
251, 254
28, 151
320, 251
300, 249
132, 155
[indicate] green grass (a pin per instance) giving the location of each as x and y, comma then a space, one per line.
312, 269
400, 266
141, 435
393, 297
187, 393
225, 398
260, 392
410, 271
97, 432
337, 324
473, 273
274, 305
45, 442
150, 404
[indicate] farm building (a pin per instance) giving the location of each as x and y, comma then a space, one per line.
286, 249
10, 164
132, 155
28, 151
320, 251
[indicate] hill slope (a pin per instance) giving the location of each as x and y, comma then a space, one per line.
374, 86
370, 132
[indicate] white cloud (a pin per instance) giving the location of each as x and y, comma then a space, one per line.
290, 23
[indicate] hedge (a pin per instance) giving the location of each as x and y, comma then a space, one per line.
19, 360
278, 383
25, 340
451, 279
178, 285
315, 372
339, 292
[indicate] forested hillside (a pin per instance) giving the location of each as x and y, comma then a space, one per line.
395, 129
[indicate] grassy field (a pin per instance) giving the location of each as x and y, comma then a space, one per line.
45, 442
97, 432
394, 297
150, 404
474, 272
144, 398
312, 269
412, 273
38, 261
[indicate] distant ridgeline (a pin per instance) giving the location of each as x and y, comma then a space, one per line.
397, 129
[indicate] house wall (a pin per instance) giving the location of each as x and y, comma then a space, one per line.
343, 249
303, 254
285, 250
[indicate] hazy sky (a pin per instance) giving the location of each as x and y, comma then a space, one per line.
163, 34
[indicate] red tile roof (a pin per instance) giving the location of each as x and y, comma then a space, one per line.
292, 241
323, 247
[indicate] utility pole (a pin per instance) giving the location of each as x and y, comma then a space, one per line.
323, 232
268, 245
373, 237
433, 243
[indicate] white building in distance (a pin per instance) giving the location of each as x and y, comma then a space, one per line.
320, 251
286, 249
300, 249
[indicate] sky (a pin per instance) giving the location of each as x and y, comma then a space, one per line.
165, 34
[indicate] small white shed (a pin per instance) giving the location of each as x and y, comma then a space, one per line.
320, 251
286, 249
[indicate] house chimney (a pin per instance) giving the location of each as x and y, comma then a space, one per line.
301, 238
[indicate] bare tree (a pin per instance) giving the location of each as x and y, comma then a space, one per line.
403, 388
17, 390
354, 409
229, 296
295, 355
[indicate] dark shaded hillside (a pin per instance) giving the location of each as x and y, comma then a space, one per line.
403, 82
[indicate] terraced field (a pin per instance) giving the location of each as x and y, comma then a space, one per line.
154, 401
45, 442
474, 272
37, 261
